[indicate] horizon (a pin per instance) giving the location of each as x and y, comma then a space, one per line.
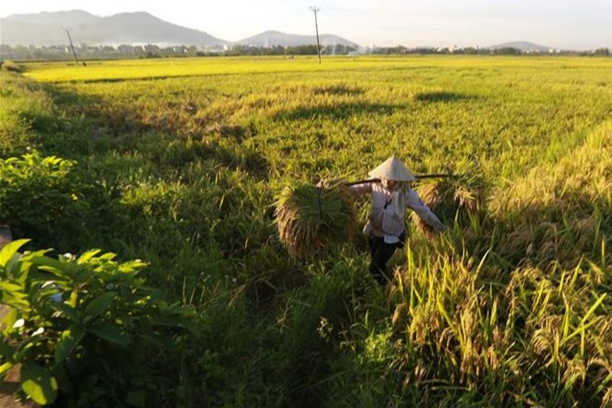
439, 23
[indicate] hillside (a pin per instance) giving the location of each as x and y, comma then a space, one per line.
45, 29
272, 38
66, 19
16, 32
521, 45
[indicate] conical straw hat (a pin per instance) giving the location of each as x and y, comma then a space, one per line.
392, 169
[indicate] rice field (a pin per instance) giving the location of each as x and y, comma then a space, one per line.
180, 162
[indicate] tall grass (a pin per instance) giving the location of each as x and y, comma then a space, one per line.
24, 109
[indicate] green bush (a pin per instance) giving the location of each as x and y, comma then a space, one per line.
85, 330
41, 197
13, 133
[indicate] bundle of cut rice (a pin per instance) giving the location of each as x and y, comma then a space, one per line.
453, 198
310, 218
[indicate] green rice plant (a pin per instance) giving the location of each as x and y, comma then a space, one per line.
23, 108
564, 317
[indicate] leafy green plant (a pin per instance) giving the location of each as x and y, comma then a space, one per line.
84, 329
40, 196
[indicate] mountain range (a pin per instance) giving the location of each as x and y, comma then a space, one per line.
46, 29
271, 38
522, 45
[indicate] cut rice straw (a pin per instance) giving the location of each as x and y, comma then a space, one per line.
312, 218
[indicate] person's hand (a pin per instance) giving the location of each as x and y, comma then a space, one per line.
437, 225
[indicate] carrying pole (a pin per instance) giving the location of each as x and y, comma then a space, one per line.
420, 177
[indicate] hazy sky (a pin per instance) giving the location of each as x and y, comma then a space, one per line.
576, 24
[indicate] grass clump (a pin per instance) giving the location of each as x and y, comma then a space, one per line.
458, 198
310, 218
10, 66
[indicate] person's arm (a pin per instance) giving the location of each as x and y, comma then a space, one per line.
415, 203
360, 189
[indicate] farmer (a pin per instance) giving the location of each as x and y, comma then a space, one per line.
391, 195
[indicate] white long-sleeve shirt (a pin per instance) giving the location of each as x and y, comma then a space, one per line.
388, 210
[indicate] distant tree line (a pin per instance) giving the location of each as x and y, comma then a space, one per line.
338, 49
84, 51
63, 52
398, 50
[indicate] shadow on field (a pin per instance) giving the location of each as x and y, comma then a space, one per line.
172, 138
562, 212
338, 111
564, 232
130, 179
102, 116
338, 90
442, 96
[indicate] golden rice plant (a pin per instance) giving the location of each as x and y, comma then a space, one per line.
457, 197
557, 212
310, 218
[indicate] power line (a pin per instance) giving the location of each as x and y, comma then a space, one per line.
315, 9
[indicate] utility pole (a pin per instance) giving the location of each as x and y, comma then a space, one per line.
315, 9
67, 30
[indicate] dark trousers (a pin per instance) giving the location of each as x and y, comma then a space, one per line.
381, 252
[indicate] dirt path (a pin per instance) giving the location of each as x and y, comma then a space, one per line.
8, 388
